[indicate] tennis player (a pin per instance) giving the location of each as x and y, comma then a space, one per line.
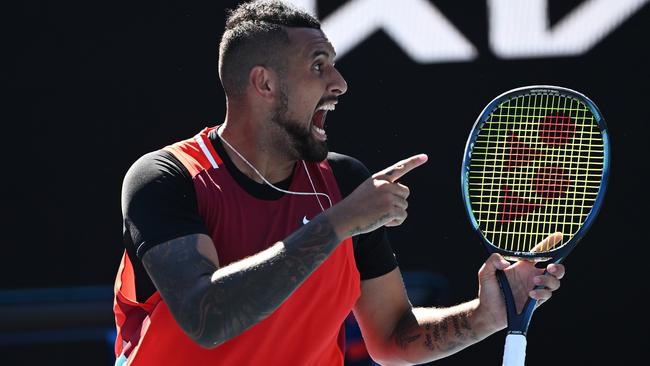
250, 243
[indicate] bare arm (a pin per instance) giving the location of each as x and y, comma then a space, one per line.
397, 334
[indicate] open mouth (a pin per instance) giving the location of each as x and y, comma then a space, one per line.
318, 120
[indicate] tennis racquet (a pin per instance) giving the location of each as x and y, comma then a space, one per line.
536, 163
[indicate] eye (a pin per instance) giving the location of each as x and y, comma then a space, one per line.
318, 67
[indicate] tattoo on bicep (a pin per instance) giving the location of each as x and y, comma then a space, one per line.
174, 268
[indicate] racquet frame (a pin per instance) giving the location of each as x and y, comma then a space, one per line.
518, 323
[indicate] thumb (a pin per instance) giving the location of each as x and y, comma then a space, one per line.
494, 262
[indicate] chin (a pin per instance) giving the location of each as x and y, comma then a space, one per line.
315, 153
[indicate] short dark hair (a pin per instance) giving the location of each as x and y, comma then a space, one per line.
254, 35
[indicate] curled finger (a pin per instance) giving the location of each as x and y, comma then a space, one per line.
547, 281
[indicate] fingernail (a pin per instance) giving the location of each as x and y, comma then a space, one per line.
552, 269
537, 280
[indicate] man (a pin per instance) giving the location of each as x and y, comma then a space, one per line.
250, 243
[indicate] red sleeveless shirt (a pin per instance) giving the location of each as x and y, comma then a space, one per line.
307, 329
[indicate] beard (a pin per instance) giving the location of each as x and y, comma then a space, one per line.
303, 146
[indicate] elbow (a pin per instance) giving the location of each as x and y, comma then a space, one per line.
212, 322
215, 331
209, 337
203, 331
204, 339
387, 354
212, 332
389, 361
206, 328
208, 343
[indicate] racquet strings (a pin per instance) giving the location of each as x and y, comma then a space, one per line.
535, 169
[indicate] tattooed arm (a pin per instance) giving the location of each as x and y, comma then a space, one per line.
397, 334
213, 304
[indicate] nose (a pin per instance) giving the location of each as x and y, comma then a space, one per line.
338, 85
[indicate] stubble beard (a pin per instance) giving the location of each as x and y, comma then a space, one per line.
303, 146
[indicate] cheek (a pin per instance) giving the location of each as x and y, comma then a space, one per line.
302, 101
302, 109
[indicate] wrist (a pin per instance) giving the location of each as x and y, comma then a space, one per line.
485, 320
339, 221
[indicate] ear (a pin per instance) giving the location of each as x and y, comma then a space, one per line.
264, 81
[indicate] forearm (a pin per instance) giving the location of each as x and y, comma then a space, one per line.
226, 301
427, 334
246, 292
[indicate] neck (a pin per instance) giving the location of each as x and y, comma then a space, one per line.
252, 155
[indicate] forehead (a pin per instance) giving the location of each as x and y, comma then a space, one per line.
306, 42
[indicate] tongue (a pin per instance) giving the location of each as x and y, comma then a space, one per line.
319, 118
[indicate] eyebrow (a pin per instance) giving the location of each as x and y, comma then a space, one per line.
323, 52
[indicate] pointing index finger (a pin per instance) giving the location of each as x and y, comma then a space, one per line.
397, 170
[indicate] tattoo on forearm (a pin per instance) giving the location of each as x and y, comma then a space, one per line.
444, 335
456, 324
451, 332
222, 304
428, 343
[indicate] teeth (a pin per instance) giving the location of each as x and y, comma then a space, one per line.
319, 130
327, 107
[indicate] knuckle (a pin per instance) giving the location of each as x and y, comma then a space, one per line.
397, 213
387, 199
381, 183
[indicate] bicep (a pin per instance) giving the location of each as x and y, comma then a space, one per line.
181, 270
158, 204
380, 307
177, 264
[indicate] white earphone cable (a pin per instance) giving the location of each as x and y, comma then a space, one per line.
316, 194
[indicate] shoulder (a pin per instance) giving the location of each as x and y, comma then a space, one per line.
348, 171
158, 202
154, 172
155, 162
346, 163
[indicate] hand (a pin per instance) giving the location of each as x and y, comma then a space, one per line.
378, 201
523, 277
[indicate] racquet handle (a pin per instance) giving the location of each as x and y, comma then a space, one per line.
514, 353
